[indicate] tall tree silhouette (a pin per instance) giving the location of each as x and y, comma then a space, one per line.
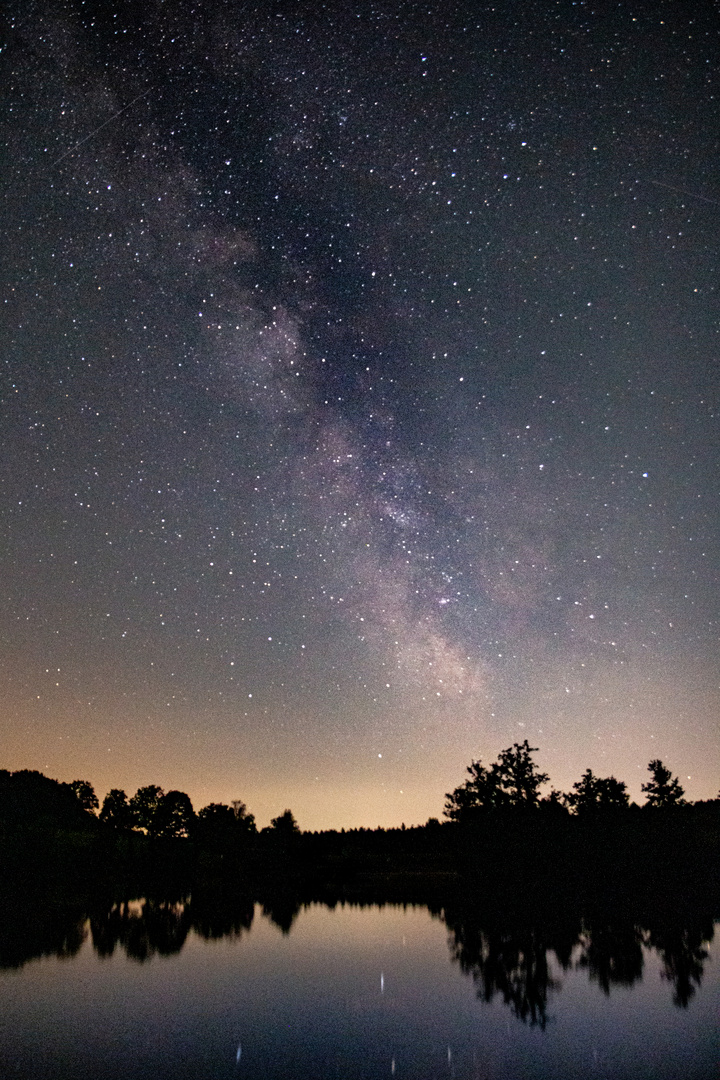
663, 789
116, 810
519, 778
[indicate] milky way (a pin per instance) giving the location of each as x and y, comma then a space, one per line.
360, 373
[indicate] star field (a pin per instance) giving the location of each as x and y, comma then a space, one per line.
359, 397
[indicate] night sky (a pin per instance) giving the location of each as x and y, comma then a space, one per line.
359, 397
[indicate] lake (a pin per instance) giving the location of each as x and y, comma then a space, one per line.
151, 990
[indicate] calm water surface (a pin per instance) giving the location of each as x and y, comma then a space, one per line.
359, 992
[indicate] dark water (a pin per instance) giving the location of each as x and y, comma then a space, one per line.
160, 990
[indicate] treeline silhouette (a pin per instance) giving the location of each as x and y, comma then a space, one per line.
514, 782
499, 827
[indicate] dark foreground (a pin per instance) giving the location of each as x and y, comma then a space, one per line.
423, 976
569, 948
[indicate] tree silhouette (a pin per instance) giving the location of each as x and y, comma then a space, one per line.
474, 796
217, 814
85, 794
512, 781
29, 795
116, 810
245, 821
554, 802
143, 807
518, 775
217, 818
285, 824
173, 817
592, 793
221, 833
663, 789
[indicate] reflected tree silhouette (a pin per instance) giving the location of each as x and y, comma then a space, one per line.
612, 954
219, 916
166, 928
510, 960
142, 930
27, 938
508, 956
282, 910
514, 966
683, 954
108, 929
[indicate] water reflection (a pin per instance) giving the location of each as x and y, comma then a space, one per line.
683, 954
519, 957
510, 958
226, 984
31, 929
282, 910
513, 965
143, 929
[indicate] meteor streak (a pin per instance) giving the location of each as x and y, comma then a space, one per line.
105, 123
683, 191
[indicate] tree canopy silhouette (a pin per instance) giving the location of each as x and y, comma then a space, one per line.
592, 793
219, 817
28, 796
85, 794
143, 807
174, 816
285, 824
